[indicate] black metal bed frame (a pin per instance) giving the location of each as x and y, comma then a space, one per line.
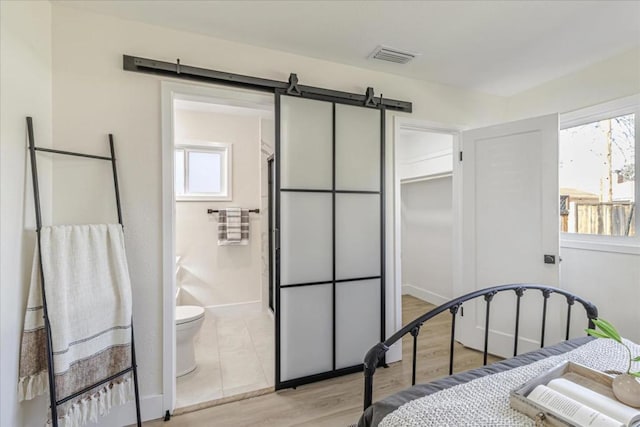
375, 355
54, 401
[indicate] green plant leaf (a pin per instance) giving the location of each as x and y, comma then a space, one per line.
608, 329
636, 359
597, 334
635, 374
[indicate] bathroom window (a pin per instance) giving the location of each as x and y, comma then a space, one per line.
202, 171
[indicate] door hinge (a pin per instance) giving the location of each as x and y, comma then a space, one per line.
460, 155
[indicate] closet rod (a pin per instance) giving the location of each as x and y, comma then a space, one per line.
210, 211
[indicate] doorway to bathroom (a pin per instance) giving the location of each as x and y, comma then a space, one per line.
221, 141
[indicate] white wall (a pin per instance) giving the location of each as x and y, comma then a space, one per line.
610, 79
427, 239
214, 275
610, 280
25, 84
93, 96
423, 153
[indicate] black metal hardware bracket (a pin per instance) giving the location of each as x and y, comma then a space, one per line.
370, 100
377, 352
293, 88
170, 69
54, 401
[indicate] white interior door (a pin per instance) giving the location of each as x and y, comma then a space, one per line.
510, 221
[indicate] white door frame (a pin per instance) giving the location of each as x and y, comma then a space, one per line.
171, 91
406, 123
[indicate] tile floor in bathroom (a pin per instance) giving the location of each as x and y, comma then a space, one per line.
235, 355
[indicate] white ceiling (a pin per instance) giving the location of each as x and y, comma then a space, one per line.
497, 47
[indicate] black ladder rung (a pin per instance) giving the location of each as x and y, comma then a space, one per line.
72, 153
96, 385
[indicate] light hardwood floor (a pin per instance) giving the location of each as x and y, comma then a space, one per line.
338, 402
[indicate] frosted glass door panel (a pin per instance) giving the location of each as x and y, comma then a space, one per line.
306, 140
305, 331
305, 237
357, 148
357, 235
357, 320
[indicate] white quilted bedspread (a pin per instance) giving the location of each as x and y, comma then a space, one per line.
485, 401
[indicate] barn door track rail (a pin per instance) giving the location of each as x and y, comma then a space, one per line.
292, 87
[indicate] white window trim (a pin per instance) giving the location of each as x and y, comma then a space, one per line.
225, 174
617, 244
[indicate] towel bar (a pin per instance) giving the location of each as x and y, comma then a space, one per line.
210, 211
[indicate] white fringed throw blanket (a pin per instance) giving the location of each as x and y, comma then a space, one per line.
485, 401
88, 295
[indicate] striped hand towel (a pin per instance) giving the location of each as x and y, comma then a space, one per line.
233, 227
88, 296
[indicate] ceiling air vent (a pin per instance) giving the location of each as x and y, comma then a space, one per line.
390, 54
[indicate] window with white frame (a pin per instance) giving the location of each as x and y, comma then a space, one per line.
598, 170
202, 171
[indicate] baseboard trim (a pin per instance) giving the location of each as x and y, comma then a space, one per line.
125, 415
424, 295
250, 307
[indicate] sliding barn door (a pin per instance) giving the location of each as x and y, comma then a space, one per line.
329, 246
510, 213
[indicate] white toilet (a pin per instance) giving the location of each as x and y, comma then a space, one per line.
189, 319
